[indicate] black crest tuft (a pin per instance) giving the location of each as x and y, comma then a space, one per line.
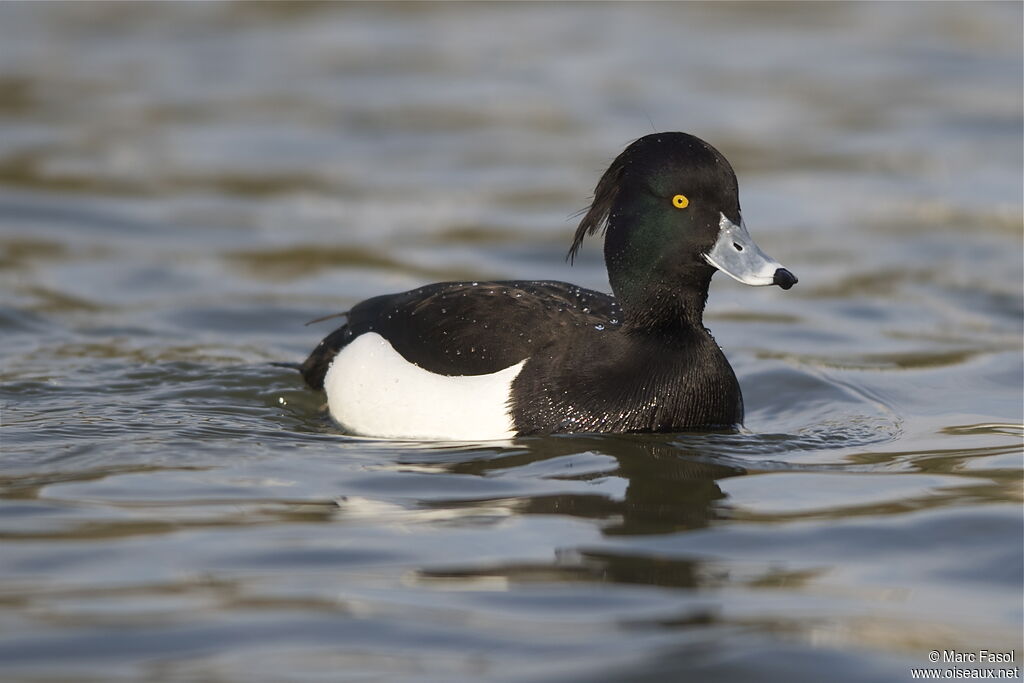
596, 218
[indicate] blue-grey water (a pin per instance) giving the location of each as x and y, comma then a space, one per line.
183, 186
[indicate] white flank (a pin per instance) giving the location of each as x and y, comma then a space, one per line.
373, 391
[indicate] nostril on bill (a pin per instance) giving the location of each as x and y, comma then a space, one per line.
739, 247
783, 278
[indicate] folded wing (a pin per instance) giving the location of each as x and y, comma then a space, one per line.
467, 328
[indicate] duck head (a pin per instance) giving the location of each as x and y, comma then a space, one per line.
669, 207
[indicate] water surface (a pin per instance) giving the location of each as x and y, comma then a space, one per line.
183, 186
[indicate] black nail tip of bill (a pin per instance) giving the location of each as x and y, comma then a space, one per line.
783, 278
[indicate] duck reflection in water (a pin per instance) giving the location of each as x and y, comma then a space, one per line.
670, 487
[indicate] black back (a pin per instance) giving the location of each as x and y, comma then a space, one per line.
468, 328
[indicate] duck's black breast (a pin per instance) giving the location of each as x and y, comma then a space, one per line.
619, 381
470, 328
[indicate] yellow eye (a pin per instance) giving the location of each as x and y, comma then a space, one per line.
680, 201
